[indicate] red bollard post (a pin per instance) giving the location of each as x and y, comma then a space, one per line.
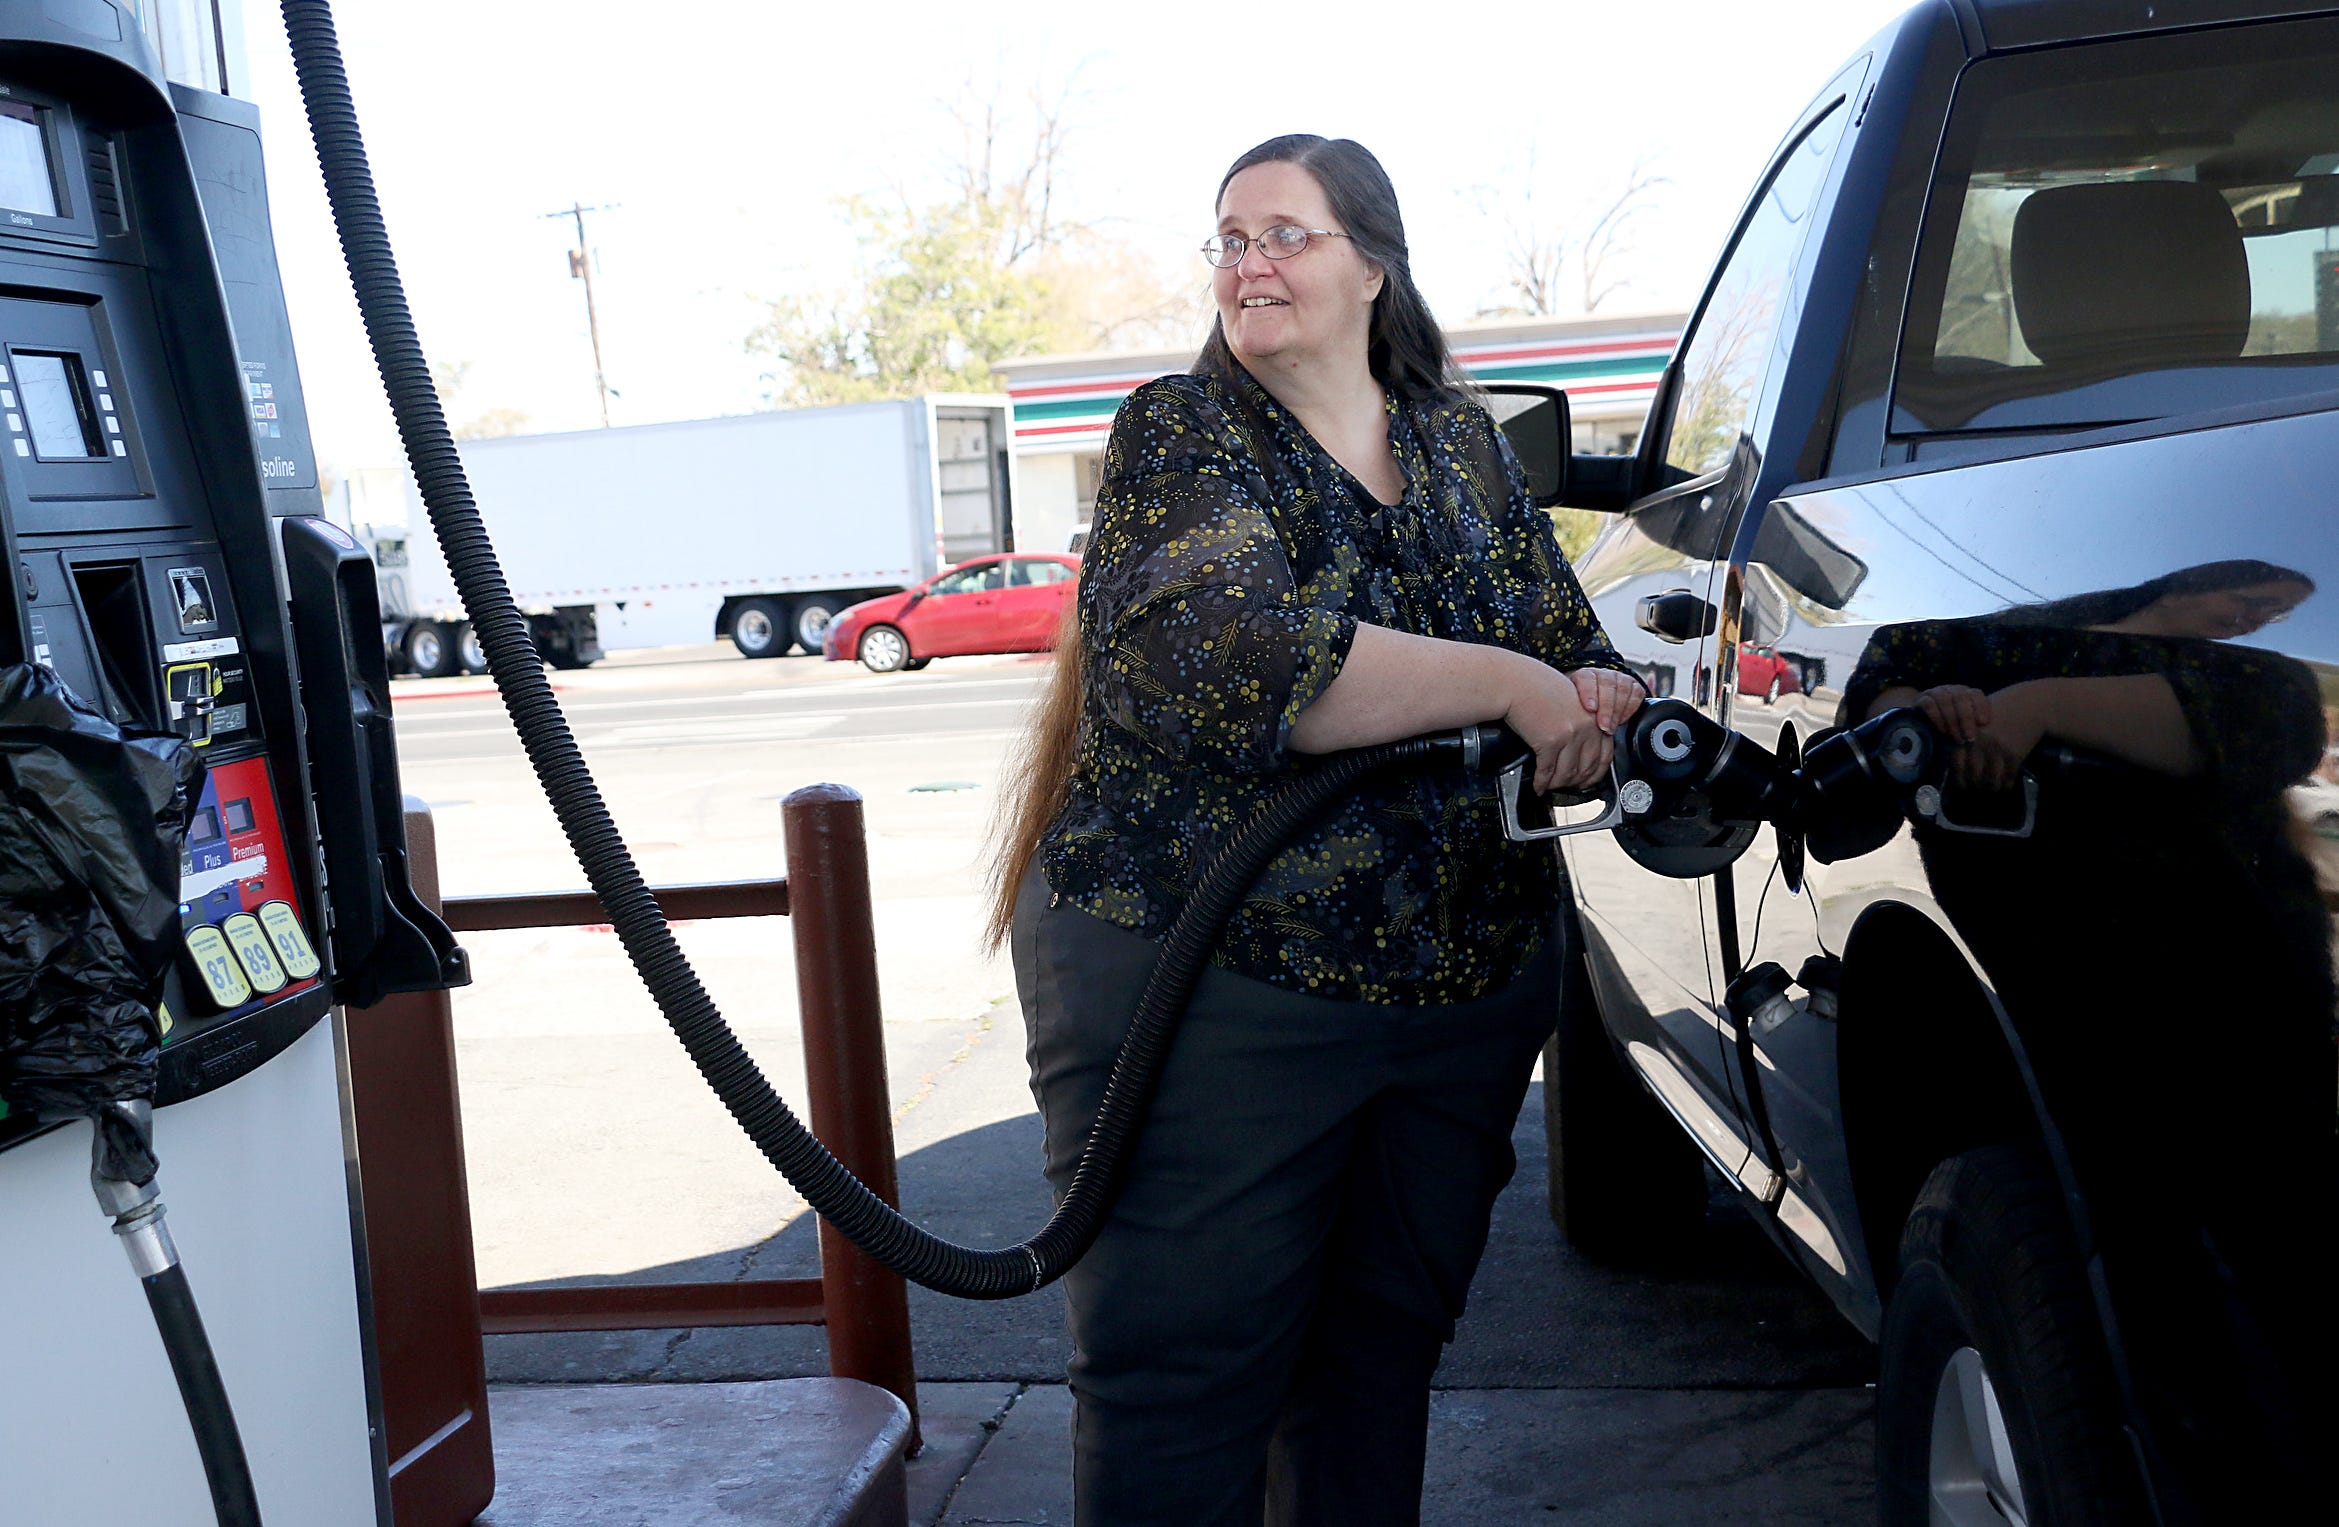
844, 1066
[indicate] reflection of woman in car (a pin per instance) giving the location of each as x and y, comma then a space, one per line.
2161, 945
1317, 542
2136, 717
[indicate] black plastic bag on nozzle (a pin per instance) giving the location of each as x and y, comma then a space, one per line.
92, 823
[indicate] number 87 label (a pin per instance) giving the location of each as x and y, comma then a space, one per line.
215, 963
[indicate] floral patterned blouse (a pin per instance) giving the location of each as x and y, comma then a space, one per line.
1230, 562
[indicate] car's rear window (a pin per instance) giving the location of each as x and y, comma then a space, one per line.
2127, 230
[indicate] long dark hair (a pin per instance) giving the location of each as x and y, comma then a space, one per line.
1408, 353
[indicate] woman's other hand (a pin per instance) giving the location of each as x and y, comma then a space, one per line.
1549, 714
2013, 723
1958, 711
1610, 696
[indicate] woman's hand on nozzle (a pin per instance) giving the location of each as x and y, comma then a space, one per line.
1610, 696
1550, 716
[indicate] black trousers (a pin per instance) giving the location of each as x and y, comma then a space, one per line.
1254, 1333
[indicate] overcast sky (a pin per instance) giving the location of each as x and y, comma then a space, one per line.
722, 132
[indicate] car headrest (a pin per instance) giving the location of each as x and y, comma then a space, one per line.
2130, 274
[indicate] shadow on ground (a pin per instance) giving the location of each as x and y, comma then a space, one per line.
1729, 1314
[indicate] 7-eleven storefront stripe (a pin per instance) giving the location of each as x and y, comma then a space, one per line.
1610, 376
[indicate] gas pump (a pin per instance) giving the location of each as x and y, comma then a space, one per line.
166, 561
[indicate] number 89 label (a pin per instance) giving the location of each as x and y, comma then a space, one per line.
258, 956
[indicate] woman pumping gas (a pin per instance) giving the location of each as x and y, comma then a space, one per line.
1317, 541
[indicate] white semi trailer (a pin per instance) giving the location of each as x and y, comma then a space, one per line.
758, 528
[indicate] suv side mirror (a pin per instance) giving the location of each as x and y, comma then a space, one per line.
1534, 419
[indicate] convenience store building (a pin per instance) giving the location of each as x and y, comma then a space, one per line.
1065, 404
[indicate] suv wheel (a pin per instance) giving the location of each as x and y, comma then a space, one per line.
1995, 1406
759, 627
1626, 1183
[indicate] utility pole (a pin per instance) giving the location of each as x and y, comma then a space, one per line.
581, 268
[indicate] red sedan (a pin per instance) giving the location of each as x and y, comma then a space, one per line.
1009, 603
1768, 673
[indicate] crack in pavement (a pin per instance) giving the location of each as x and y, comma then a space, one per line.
984, 1023
990, 1426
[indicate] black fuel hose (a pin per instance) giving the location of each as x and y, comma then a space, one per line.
864, 1218
217, 1441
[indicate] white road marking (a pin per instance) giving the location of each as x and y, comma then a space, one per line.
590, 729
724, 728
682, 744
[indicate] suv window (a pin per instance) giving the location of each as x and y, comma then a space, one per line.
2130, 230
1722, 367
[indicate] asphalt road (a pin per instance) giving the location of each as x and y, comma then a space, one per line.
596, 1154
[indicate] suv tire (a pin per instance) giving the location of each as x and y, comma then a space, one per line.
1996, 1403
1626, 1184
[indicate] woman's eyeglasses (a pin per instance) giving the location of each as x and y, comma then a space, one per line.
1280, 242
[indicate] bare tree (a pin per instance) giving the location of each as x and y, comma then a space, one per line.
1534, 245
1020, 187
1539, 248
1604, 242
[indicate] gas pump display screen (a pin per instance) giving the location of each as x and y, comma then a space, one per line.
205, 827
239, 815
25, 182
55, 391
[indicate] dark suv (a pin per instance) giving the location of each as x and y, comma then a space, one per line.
2012, 399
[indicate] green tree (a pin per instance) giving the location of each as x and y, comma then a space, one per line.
942, 293
986, 270
1576, 529
449, 379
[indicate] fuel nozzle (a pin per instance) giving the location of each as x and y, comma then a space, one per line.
1857, 784
1696, 763
1684, 795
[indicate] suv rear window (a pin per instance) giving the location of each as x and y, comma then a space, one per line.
2127, 230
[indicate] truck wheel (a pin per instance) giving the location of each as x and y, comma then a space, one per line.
1626, 1184
759, 627
884, 650
813, 613
1996, 1402
472, 654
428, 651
